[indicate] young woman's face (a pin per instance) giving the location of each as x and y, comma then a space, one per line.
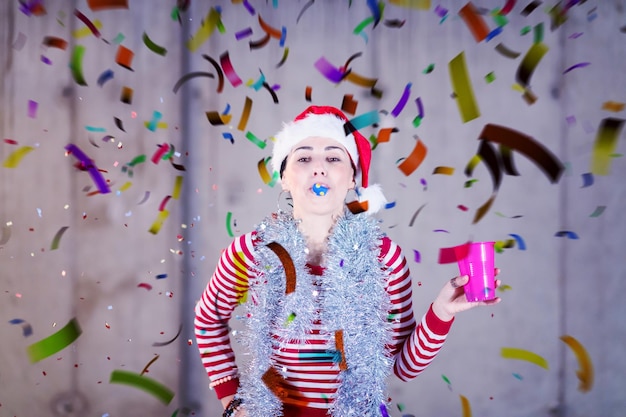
325, 164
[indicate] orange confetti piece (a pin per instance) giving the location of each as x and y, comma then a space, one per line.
348, 104
124, 57
585, 373
274, 381
444, 170
290, 269
465, 405
474, 21
343, 365
613, 106
414, 160
97, 5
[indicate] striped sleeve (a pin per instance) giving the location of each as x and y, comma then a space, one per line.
224, 291
414, 345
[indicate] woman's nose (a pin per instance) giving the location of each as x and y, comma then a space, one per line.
318, 169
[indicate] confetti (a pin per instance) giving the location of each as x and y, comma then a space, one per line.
474, 21
290, 269
55, 342
229, 71
145, 368
145, 383
462, 88
161, 344
15, 157
596, 213
567, 233
580, 65
605, 144
189, 76
76, 64
229, 216
415, 158
524, 355
97, 5
206, 29
159, 50
529, 63
57, 238
92, 27
585, 372
88, 164
27, 330
465, 405
124, 57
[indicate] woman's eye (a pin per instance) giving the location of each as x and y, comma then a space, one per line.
304, 159
333, 159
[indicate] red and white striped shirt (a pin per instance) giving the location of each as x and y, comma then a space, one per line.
309, 371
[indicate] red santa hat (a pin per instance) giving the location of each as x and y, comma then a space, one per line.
330, 122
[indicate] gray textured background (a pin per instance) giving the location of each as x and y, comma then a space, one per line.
558, 286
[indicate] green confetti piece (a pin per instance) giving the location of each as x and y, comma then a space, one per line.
525, 30
258, 142
538, 33
57, 238
145, 383
229, 216
417, 121
490, 77
55, 342
76, 64
598, 211
429, 69
137, 160
445, 378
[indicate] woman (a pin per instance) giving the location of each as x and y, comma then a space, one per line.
328, 295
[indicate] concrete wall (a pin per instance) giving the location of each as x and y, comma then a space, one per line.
557, 286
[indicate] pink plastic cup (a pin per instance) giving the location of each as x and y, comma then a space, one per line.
479, 266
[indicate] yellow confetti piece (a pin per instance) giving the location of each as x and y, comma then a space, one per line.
14, 159
462, 87
159, 125
264, 173
413, 4
529, 63
178, 185
205, 30
585, 373
524, 355
605, 144
86, 31
126, 186
156, 226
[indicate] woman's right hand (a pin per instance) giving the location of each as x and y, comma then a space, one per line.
239, 413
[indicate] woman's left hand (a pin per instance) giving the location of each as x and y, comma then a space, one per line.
451, 298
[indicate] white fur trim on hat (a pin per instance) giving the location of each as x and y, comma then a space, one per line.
374, 196
313, 125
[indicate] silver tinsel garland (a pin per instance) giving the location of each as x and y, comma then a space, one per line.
350, 296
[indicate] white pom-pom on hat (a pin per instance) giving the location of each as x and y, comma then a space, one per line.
330, 122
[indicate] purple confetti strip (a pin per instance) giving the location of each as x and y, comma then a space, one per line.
402, 102
441, 11
244, 33
97, 178
32, 109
